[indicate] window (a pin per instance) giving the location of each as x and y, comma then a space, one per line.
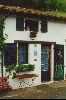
31, 25
44, 60
20, 24
22, 53
43, 26
10, 54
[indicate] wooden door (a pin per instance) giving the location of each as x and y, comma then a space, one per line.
45, 63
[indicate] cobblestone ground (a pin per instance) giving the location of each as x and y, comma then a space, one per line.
56, 90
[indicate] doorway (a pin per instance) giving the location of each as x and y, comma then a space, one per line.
45, 62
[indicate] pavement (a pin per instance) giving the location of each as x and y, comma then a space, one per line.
51, 90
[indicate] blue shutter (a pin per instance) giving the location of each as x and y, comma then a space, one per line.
20, 24
10, 55
43, 26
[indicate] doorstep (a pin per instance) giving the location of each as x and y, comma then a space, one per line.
45, 82
48, 82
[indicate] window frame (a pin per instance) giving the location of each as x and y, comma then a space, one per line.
33, 20
9, 50
24, 25
25, 53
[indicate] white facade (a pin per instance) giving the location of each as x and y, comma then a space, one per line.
52, 36
56, 33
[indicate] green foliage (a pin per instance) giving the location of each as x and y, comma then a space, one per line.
20, 68
13, 70
59, 71
10, 68
24, 68
31, 67
14, 75
2, 37
50, 5
33, 34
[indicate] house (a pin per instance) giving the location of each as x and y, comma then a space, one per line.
34, 37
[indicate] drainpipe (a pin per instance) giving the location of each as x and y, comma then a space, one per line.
2, 63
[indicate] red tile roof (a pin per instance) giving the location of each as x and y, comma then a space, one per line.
33, 12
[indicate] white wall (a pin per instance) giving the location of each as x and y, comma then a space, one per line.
56, 33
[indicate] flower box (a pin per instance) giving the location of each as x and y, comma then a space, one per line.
20, 68
14, 70
24, 68
26, 76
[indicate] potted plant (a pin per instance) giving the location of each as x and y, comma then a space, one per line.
13, 70
33, 34
24, 68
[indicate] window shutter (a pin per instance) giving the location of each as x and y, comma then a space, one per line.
43, 26
20, 24
10, 56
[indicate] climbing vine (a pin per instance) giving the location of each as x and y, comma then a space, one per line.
2, 37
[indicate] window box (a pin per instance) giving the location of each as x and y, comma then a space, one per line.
14, 70
24, 68
20, 68
26, 76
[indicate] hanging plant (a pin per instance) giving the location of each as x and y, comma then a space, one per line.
33, 34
